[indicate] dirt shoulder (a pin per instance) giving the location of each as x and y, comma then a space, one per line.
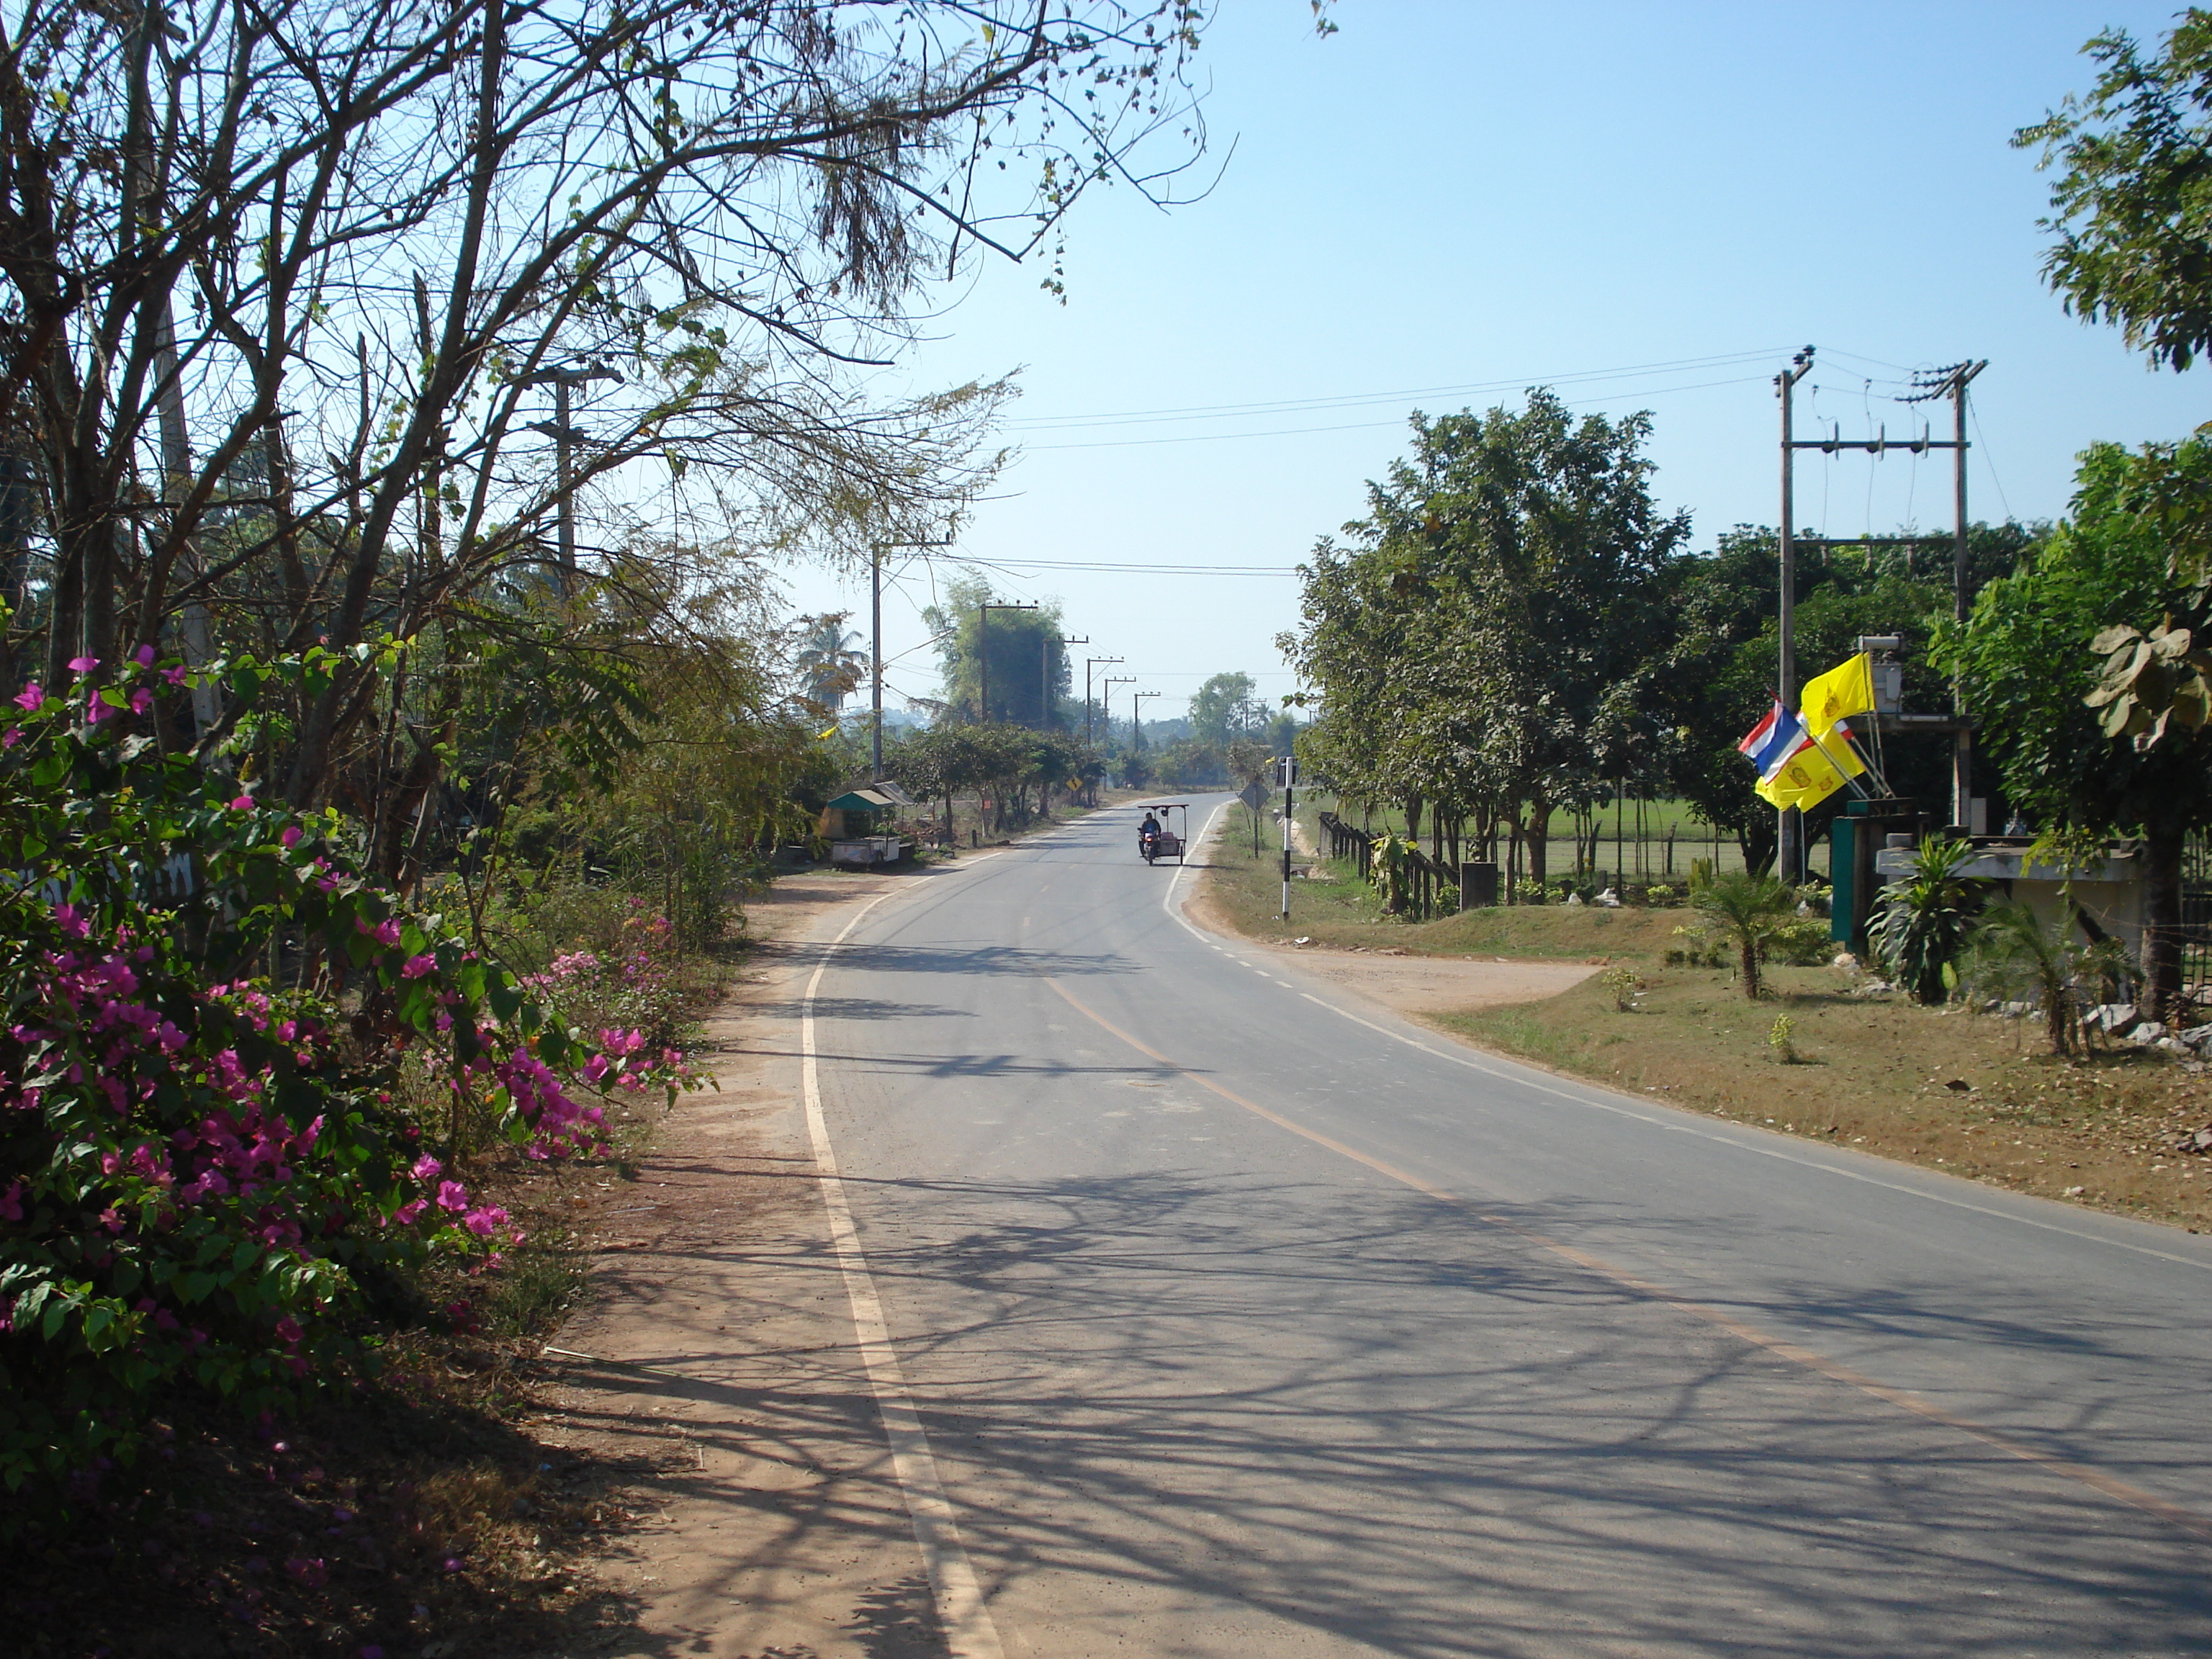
1974, 1097
715, 1363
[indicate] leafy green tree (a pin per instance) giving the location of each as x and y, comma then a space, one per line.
1028, 665
1493, 632
2132, 209
1718, 679
1224, 707
2026, 673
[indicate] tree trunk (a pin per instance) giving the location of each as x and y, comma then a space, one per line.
2161, 944
1413, 804
1538, 834
1750, 966
1757, 839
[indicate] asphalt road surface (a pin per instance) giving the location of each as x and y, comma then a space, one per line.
1219, 1318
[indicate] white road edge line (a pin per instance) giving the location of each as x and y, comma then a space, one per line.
969, 1631
1585, 1100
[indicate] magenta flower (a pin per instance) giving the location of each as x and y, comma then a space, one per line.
427, 1168
243, 804
176, 676
418, 966
15, 735
291, 836
451, 1195
143, 656
83, 665
141, 701
288, 1332
31, 697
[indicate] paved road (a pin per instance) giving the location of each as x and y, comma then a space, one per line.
1240, 1325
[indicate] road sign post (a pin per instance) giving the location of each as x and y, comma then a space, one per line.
1254, 796
1290, 770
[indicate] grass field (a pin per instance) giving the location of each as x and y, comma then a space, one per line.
1975, 1096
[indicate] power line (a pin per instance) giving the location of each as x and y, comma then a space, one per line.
1360, 426
1016, 567
1347, 400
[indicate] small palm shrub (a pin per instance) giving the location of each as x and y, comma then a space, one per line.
1927, 919
2015, 956
1750, 912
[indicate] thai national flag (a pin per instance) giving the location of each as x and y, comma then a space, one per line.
1769, 745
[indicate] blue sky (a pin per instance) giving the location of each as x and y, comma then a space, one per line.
1477, 198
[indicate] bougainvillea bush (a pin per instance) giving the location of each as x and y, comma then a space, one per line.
201, 1165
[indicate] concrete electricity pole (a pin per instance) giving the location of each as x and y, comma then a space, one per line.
1136, 721
563, 435
1088, 664
1044, 675
1789, 823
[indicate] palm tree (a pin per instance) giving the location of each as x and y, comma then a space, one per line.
829, 667
1751, 910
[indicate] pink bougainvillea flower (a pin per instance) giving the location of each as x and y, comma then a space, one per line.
451, 1195
291, 836
141, 701
11, 1203
408, 1214
176, 676
15, 735
287, 1331
96, 709
33, 697
143, 656
427, 1168
418, 966
242, 804
83, 665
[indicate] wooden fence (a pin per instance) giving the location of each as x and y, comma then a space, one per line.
1431, 888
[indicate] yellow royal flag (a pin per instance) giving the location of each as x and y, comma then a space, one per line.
1813, 772
1838, 694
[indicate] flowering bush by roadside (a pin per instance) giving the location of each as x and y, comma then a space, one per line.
199, 1167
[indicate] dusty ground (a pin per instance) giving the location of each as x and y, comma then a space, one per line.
766, 1521
1409, 984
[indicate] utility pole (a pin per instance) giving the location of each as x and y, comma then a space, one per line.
1106, 697
983, 654
1290, 804
564, 436
1088, 663
1929, 385
876, 679
1044, 675
1136, 717
1962, 748
1789, 823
